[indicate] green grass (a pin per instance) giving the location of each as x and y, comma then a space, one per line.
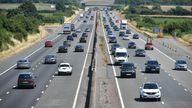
160, 20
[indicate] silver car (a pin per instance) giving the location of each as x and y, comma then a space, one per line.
23, 64
50, 59
181, 65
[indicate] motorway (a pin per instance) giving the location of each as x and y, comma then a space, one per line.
55, 91
12, 97
174, 93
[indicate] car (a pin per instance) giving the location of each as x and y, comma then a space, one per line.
70, 38
152, 66
67, 43
74, 34
132, 45
128, 69
78, 31
23, 64
121, 33
84, 35
112, 39
79, 48
87, 17
63, 49
150, 90
140, 53
87, 30
128, 31
50, 59
106, 26
113, 47
115, 28
181, 64
64, 68
109, 32
135, 36
126, 37
149, 44
83, 40
48, 44
84, 21
26, 79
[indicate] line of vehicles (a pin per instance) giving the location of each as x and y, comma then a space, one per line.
27, 79
149, 90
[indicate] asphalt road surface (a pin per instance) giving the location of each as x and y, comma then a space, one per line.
174, 93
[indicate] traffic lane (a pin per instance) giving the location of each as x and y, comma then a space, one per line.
181, 76
9, 62
65, 86
13, 79
181, 89
36, 59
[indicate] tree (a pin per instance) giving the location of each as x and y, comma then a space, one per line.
28, 8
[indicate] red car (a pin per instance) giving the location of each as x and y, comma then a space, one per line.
149, 44
48, 44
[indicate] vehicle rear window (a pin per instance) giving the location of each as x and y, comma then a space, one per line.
24, 76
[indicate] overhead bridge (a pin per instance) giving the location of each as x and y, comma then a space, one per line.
98, 2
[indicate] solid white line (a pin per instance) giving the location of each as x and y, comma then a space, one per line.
115, 74
25, 57
165, 55
81, 77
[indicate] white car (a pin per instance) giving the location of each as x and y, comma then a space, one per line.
78, 31
64, 68
126, 37
150, 90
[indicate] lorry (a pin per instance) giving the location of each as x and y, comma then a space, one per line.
67, 28
123, 24
121, 55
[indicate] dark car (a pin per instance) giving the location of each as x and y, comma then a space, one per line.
140, 53
109, 32
113, 48
23, 64
84, 35
132, 45
135, 36
112, 39
79, 48
121, 33
48, 44
50, 59
85, 21
74, 34
152, 66
128, 69
26, 79
106, 26
63, 49
67, 43
83, 40
128, 31
116, 28
70, 38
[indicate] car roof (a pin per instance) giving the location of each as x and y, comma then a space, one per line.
128, 63
62, 63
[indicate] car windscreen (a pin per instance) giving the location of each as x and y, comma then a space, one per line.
153, 63
181, 62
128, 66
64, 65
22, 60
121, 54
150, 86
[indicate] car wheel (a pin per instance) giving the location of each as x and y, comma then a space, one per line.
159, 99
134, 75
141, 99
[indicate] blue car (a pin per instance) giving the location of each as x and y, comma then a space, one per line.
135, 36
70, 38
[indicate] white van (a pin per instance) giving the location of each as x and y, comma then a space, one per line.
121, 55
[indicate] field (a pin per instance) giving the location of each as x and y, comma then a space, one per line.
39, 6
171, 19
168, 7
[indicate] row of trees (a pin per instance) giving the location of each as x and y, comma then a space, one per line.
156, 10
151, 2
18, 23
